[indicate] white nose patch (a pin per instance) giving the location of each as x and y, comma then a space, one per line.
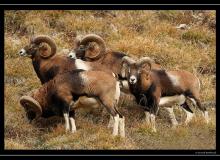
22, 52
72, 55
133, 80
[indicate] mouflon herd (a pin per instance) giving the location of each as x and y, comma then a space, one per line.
92, 75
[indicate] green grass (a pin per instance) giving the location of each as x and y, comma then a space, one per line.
138, 33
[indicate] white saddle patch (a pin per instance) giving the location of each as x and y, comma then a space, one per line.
81, 65
174, 79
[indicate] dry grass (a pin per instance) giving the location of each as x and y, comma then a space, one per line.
138, 33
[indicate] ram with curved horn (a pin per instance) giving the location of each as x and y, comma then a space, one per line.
153, 88
59, 94
87, 50
91, 51
42, 50
48, 64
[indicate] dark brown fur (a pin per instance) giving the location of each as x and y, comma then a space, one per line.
87, 50
111, 60
58, 94
156, 83
49, 67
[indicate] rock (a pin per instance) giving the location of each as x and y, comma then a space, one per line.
183, 26
14, 80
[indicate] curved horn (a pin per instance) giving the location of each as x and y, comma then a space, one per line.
144, 60
49, 41
31, 104
127, 60
94, 38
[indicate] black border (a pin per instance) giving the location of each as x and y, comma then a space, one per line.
107, 2
102, 152
110, 7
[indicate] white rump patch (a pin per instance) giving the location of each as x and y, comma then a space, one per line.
174, 79
81, 65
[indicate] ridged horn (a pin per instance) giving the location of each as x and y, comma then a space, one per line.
145, 60
127, 60
49, 41
94, 38
30, 104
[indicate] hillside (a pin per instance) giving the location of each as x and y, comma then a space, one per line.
137, 33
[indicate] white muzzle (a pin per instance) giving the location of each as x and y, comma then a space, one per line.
72, 55
23, 52
132, 80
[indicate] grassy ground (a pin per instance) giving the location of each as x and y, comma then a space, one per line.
138, 33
